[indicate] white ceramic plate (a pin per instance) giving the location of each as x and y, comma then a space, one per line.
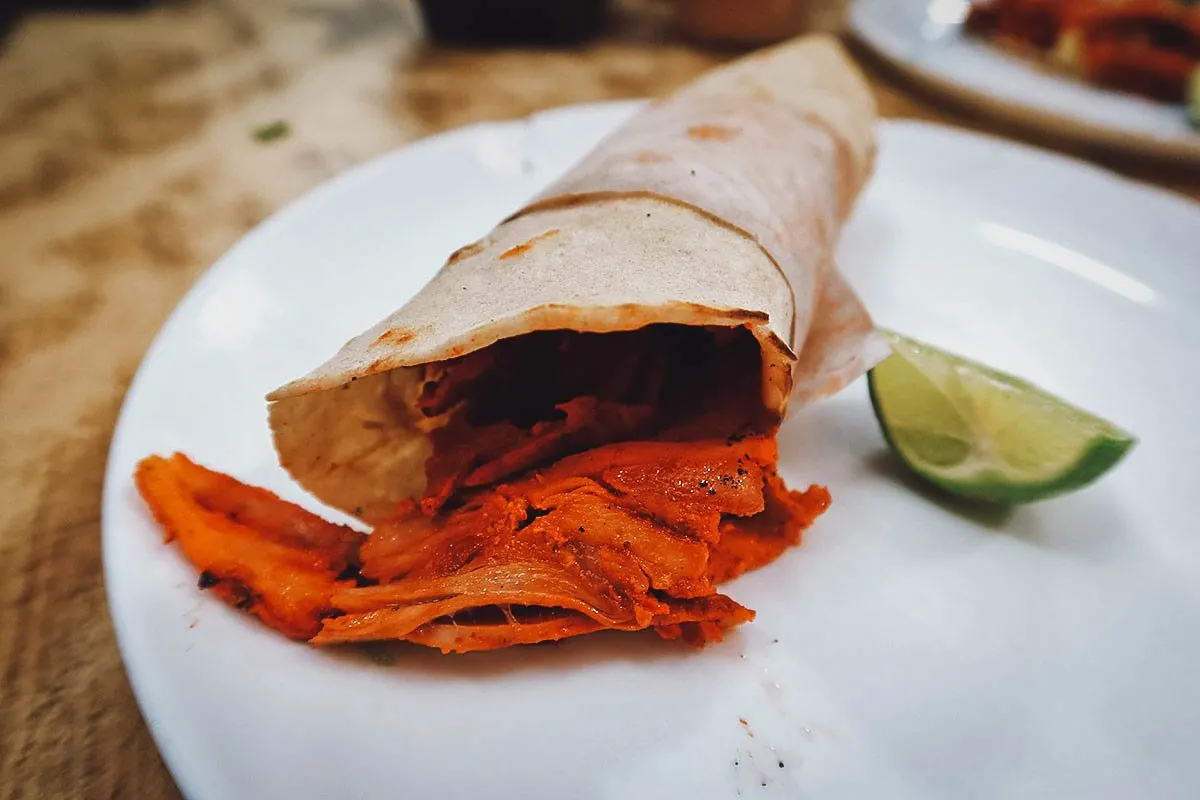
924, 39
909, 649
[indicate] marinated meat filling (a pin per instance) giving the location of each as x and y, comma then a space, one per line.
578, 482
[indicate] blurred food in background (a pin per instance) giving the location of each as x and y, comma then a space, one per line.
757, 22
497, 23
736, 23
1149, 48
501, 22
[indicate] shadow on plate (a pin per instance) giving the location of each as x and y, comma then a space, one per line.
638, 647
886, 465
1084, 525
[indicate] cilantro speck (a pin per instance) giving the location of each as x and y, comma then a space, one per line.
272, 132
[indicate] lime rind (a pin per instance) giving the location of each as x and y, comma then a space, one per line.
985, 434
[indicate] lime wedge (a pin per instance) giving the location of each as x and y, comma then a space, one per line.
981, 433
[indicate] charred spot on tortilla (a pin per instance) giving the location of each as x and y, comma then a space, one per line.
464, 252
712, 133
649, 157
394, 336
377, 366
525, 247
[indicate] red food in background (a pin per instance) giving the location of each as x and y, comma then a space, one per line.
1144, 47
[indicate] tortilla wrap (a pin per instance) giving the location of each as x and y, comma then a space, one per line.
718, 206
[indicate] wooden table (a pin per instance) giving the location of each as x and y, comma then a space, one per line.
128, 163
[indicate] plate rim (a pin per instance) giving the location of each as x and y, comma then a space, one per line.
115, 481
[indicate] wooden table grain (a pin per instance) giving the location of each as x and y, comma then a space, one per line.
128, 163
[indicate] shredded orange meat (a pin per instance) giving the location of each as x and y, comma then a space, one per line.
588, 504
257, 551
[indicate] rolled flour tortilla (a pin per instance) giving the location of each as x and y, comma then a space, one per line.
718, 206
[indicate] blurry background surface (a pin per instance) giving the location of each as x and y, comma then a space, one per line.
135, 148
